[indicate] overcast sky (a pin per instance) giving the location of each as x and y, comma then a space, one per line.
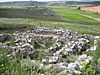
37, 0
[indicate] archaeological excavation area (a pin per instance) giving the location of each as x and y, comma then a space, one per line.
48, 51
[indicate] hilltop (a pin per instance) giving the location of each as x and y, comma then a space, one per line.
51, 3
22, 3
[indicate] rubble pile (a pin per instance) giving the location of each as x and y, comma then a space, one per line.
64, 43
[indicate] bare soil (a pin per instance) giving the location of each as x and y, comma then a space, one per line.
92, 9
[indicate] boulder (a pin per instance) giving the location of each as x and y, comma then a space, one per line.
55, 59
3, 38
29, 50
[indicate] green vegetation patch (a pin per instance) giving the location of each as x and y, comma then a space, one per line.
80, 28
74, 15
30, 13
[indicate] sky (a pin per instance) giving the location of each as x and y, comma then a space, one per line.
36, 0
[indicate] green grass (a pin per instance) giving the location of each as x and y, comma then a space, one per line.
96, 58
48, 13
81, 28
72, 21
30, 12
27, 66
74, 15
88, 13
97, 52
88, 25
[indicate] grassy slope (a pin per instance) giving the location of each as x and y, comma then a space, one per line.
74, 15
81, 28
30, 12
52, 21
88, 13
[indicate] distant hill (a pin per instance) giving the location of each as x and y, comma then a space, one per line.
51, 3
66, 2
89, 0
95, 2
79, 3
22, 3
56, 3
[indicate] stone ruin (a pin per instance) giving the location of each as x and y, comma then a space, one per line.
64, 44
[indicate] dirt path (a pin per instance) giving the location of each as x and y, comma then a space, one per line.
97, 19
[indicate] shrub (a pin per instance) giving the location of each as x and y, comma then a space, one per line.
87, 69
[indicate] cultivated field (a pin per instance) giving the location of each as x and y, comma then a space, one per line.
95, 11
68, 14
92, 9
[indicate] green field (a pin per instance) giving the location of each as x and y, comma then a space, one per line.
30, 13
88, 13
58, 17
78, 16
81, 28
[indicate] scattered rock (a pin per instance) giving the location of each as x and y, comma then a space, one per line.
55, 59
65, 43
3, 37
